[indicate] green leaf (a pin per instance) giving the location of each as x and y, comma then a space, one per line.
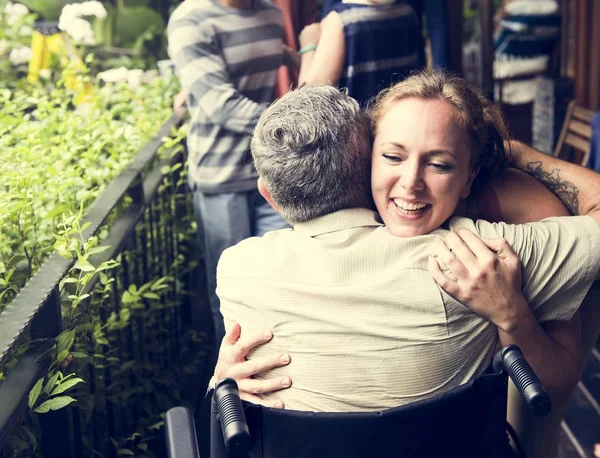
84, 266
51, 382
151, 296
98, 249
62, 356
124, 451
66, 385
65, 340
54, 404
131, 23
79, 354
35, 393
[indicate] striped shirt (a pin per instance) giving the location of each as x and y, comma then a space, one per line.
227, 60
382, 45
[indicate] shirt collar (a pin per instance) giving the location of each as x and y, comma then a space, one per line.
339, 221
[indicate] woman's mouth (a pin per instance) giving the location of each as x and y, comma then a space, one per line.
411, 208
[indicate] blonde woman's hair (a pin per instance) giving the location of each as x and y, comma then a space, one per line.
478, 115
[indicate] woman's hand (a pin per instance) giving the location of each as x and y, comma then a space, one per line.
232, 363
310, 35
487, 276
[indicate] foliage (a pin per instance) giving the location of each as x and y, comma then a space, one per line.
56, 160
55, 157
14, 34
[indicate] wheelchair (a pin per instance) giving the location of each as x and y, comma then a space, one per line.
467, 421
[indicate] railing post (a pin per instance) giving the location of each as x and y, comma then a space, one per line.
58, 440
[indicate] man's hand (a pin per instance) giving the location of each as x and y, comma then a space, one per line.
179, 101
232, 363
291, 58
487, 276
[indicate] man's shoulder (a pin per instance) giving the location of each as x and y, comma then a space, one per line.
250, 251
194, 11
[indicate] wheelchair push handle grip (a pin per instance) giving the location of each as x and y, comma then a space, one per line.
180, 434
236, 435
525, 379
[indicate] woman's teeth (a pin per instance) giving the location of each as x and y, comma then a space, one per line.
410, 207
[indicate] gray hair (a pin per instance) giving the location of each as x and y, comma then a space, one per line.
312, 149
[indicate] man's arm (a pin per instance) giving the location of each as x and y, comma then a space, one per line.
204, 76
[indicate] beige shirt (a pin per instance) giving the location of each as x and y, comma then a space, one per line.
365, 324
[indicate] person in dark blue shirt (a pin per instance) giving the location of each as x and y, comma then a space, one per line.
366, 45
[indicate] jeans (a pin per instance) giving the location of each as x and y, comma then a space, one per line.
224, 220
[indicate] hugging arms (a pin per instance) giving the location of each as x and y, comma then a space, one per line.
434, 135
555, 349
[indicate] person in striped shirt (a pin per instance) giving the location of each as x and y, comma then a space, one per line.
227, 54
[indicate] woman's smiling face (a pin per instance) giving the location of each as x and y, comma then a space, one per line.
421, 165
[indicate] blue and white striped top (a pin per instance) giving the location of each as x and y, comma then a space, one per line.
227, 60
382, 45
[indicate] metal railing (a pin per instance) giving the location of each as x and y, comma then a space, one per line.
146, 235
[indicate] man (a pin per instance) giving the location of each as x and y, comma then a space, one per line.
227, 53
340, 292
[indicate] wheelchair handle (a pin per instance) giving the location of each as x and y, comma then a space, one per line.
513, 362
236, 435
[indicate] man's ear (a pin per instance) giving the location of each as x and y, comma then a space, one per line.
262, 188
467, 189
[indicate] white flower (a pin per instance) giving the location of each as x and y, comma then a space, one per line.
135, 78
20, 55
71, 21
45, 73
26, 31
80, 30
114, 75
15, 11
4, 46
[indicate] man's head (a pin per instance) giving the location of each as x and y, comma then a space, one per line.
312, 151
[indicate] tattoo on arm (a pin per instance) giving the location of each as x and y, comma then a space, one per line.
566, 191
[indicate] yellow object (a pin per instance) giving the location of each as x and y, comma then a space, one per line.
48, 42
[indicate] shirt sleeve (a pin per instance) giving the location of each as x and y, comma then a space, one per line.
436, 17
204, 77
560, 259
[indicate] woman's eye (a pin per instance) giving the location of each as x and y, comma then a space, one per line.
392, 157
440, 167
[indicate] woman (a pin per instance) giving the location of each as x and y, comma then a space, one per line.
451, 137
366, 45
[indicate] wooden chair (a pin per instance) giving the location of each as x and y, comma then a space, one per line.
574, 142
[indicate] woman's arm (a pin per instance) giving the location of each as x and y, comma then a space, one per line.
232, 363
488, 281
325, 64
523, 199
577, 187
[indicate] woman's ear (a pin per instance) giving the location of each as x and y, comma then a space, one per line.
467, 189
262, 188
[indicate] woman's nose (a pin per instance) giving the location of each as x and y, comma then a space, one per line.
411, 176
